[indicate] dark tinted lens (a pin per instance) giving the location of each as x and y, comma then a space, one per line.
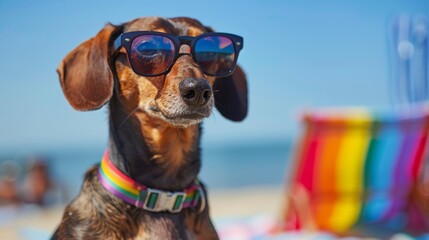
151, 54
215, 55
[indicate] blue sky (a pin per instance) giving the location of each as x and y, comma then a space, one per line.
297, 54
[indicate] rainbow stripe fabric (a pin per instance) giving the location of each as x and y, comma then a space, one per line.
141, 196
359, 166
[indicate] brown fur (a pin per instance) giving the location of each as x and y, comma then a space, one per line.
81, 94
150, 140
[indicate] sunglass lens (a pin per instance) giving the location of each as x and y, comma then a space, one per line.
151, 54
215, 55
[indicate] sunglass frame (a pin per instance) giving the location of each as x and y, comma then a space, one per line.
126, 39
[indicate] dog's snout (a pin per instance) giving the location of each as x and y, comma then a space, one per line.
195, 91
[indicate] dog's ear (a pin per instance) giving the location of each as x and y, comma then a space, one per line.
231, 95
85, 74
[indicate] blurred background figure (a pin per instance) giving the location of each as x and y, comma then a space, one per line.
27, 180
37, 183
9, 172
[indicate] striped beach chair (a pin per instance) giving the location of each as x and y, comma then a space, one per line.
355, 167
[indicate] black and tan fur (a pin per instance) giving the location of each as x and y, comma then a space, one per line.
150, 139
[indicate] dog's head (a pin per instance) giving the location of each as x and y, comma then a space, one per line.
182, 95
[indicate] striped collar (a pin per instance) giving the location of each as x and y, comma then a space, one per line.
154, 200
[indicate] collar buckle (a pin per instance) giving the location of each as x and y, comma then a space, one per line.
158, 201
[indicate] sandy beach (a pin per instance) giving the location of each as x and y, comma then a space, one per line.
36, 223
231, 210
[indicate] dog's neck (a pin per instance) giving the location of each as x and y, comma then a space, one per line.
152, 152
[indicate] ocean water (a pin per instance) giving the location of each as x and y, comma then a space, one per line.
223, 166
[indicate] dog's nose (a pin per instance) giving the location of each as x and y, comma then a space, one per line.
195, 91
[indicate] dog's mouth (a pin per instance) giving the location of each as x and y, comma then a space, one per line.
179, 116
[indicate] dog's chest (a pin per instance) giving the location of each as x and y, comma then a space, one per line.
163, 234
158, 226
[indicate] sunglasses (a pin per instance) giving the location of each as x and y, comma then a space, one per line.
154, 53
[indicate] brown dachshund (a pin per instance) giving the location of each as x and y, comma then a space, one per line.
161, 78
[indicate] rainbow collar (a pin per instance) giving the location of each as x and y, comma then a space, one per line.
154, 200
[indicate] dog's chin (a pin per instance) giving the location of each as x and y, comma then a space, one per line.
181, 118
183, 122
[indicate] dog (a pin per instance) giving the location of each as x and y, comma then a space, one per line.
160, 77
